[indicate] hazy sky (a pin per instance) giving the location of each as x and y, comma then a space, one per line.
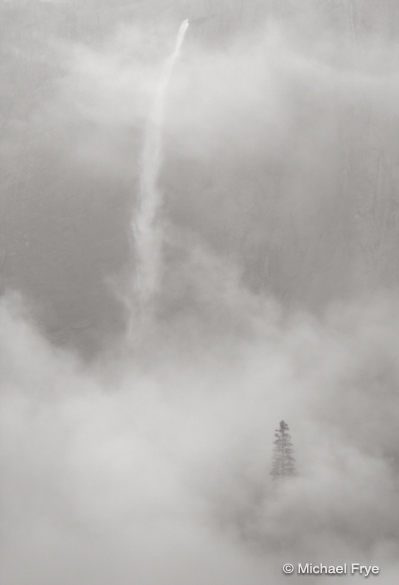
146, 459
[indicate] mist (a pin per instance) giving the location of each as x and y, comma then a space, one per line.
137, 437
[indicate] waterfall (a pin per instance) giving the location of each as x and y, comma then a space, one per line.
147, 233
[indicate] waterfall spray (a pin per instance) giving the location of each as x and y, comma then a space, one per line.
147, 233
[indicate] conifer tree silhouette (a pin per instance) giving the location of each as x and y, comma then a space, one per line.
283, 455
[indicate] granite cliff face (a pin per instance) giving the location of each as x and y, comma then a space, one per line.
281, 150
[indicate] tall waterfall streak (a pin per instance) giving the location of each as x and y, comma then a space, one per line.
147, 234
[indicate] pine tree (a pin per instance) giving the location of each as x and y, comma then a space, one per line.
283, 458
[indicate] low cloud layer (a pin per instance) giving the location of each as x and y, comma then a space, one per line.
154, 466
